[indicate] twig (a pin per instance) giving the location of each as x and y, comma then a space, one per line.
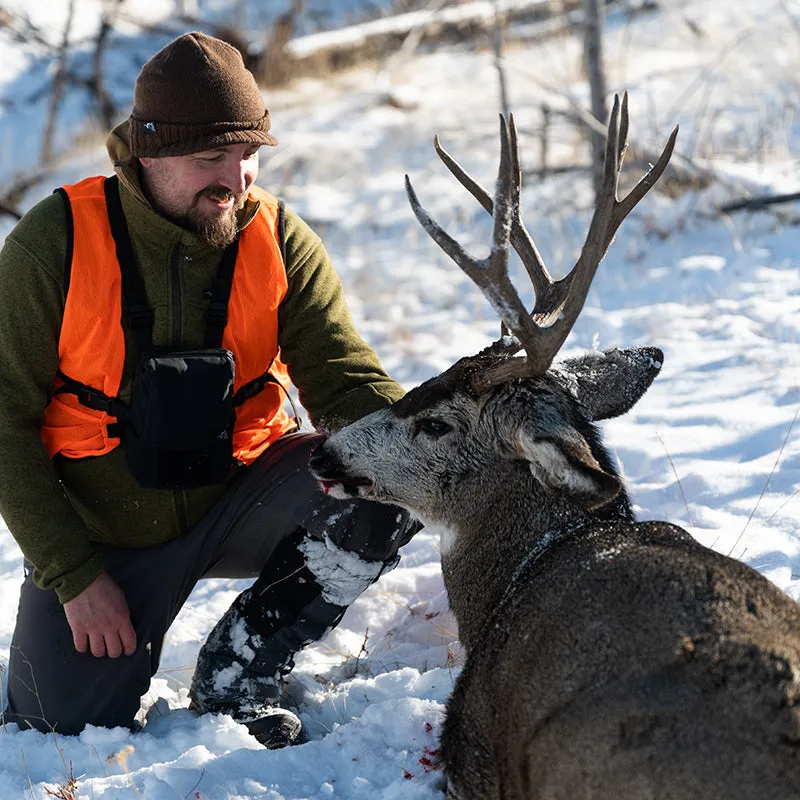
497, 47
27, 773
764, 489
121, 759
7, 208
202, 773
677, 478
782, 506
96, 82
680, 167
363, 650
415, 613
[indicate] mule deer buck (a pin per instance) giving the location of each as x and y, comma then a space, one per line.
605, 658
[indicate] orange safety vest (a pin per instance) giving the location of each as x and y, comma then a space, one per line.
91, 346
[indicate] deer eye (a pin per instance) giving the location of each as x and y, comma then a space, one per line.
433, 427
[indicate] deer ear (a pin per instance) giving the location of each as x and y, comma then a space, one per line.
610, 382
565, 466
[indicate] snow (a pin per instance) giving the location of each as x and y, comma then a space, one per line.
342, 575
713, 446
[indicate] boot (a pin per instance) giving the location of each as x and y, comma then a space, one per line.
225, 682
301, 594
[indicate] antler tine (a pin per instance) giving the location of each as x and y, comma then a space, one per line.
607, 217
521, 240
491, 274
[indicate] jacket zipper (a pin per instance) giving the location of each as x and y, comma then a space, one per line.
176, 297
180, 495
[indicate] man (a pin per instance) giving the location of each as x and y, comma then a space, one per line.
149, 323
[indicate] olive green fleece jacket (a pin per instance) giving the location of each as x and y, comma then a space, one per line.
58, 510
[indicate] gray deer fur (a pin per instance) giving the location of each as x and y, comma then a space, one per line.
606, 659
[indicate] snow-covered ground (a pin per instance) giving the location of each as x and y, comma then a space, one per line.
713, 446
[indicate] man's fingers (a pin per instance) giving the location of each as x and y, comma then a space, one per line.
81, 641
128, 637
113, 645
97, 644
100, 618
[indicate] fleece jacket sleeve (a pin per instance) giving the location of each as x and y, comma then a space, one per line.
49, 532
338, 376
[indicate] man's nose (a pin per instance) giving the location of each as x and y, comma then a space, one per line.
236, 176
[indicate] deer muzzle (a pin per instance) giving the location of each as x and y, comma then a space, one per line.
334, 477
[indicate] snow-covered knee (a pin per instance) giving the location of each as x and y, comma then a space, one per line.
342, 574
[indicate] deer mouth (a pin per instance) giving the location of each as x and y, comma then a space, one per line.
344, 488
335, 480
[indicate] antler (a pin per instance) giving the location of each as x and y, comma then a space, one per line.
558, 303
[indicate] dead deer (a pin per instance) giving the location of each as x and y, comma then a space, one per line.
605, 658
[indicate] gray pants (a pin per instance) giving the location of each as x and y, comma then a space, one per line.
269, 525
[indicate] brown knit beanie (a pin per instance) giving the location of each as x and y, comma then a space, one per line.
193, 95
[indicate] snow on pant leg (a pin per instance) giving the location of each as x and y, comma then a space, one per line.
330, 552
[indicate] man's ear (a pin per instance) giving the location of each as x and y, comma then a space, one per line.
565, 466
609, 383
146, 162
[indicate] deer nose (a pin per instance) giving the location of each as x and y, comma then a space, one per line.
326, 465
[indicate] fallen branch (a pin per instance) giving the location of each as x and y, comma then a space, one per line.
344, 48
755, 203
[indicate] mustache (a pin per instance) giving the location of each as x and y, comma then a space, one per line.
221, 194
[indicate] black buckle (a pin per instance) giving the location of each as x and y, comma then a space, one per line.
91, 399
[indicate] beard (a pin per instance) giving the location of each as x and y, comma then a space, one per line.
221, 229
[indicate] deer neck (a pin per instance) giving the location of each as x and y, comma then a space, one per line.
483, 552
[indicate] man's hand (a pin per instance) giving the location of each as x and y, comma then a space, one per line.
100, 619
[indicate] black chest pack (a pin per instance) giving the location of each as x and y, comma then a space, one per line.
177, 429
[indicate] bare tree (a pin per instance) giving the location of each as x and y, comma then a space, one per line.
59, 86
497, 47
106, 108
186, 9
595, 74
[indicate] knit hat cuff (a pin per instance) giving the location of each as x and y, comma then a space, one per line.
153, 139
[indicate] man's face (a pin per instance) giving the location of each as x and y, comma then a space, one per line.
203, 191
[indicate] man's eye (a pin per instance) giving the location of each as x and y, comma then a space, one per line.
433, 427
